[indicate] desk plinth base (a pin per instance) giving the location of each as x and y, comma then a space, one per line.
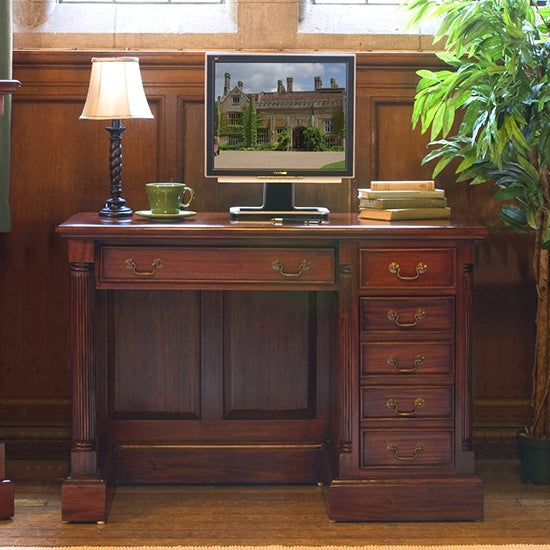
6, 499
422, 499
84, 500
6, 488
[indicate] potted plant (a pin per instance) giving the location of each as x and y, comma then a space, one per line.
490, 112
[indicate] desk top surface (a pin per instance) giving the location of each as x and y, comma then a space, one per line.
89, 225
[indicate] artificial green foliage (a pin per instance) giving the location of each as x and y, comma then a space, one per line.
496, 91
488, 115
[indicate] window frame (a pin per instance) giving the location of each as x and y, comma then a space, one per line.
124, 17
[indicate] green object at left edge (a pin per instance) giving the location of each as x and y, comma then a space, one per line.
5, 118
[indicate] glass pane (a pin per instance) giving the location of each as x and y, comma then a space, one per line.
141, 1
339, 1
354, 2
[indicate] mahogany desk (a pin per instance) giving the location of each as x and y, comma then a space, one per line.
210, 352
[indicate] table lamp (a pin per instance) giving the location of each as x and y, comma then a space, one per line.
115, 93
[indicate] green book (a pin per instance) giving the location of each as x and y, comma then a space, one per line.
400, 194
421, 202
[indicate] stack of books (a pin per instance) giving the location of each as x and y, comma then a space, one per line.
403, 200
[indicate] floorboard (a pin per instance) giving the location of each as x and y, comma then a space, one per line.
515, 512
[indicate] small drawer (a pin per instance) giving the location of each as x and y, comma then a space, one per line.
407, 268
237, 265
406, 448
407, 314
412, 402
406, 358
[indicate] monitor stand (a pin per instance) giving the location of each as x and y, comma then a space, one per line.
278, 206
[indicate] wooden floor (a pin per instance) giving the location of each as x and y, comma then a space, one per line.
292, 515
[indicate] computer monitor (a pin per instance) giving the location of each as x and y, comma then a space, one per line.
280, 119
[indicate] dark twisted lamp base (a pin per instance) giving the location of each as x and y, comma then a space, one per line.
116, 205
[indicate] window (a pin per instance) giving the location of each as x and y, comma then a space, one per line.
139, 17
140, 1
235, 119
234, 141
263, 136
340, 2
373, 17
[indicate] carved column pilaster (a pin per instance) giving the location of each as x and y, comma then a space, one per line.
345, 371
84, 444
466, 386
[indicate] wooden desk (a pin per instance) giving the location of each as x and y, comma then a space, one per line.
210, 352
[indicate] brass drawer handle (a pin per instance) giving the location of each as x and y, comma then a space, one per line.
394, 450
394, 404
130, 264
394, 362
418, 316
395, 268
278, 266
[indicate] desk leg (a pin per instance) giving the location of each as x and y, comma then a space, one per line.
83, 495
6, 488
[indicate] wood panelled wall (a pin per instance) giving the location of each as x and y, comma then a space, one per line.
60, 166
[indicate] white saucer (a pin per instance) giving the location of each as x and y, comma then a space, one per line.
165, 217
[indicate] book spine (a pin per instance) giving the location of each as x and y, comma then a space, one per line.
427, 185
400, 194
437, 202
406, 214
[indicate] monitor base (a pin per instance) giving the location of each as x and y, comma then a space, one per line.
278, 206
301, 215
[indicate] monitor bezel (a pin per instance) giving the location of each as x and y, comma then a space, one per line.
282, 174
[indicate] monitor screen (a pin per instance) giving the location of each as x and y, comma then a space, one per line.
280, 119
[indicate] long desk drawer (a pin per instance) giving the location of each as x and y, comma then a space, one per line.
178, 264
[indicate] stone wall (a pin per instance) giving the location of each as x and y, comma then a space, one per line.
233, 25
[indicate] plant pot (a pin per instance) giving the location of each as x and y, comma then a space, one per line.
534, 455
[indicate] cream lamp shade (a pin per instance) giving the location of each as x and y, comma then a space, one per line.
115, 90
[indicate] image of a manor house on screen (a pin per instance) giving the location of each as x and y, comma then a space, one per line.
279, 119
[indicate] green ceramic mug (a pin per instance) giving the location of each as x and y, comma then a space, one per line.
168, 198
